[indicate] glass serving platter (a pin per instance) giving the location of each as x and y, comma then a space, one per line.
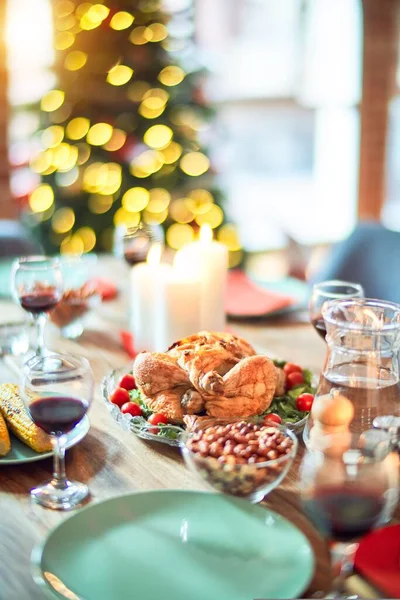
141, 428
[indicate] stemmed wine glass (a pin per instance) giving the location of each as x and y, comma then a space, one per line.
57, 390
138, 240
37, 285
330, 290
349, 486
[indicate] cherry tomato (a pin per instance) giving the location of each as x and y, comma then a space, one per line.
120, 396
128, 382
291, 368
272, 418
155, 419
131, 408
294, 379
304, 402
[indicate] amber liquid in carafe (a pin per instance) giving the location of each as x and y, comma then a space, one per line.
374, 391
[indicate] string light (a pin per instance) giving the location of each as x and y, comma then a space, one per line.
146, 164
72, 245
116, 141
62, 8
87, 236
159, 200
171, 153
180, 212
41, 198
199, 201
123, 217
228, 235
52, 100
94, 16
154, 217
119, 75
121, 20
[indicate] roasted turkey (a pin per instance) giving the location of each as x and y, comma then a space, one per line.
208, 373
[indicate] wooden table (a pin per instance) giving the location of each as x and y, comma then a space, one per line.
112, 461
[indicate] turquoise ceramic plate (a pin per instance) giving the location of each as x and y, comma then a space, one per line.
176, 545
20, 453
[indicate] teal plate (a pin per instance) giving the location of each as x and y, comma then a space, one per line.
20, 453
178, 545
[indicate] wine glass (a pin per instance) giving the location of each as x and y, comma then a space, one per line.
330, 290
57, 390
37, 285
349, 486
138, 240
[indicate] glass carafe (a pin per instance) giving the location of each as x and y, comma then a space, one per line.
362, 361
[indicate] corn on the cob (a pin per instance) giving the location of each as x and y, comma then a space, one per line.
5, 443
13, 410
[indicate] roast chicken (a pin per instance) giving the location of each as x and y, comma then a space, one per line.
212, 374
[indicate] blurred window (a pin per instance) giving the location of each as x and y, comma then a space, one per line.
286, 79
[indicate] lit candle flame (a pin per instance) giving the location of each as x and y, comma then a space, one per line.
206, 234
154, 255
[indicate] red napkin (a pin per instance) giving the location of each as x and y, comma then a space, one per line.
127, 343
107, 289
246, 299
378, 560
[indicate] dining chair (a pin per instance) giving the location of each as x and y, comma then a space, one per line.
369, 256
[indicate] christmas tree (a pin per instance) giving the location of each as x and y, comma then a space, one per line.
119, 137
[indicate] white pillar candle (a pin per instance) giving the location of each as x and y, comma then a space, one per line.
146, 285
178, 308
208, 260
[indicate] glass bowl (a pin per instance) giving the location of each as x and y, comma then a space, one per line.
74, 306
242, 472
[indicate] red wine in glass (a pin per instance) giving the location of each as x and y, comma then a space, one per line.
40, 301
345, 512
319, 325
58, 415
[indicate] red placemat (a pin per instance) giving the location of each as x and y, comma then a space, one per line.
378, 560
246, 299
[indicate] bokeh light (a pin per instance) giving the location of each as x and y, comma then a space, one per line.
199, 201
83, 153
194, 164
140, 35
171, 75
62, 8
99, 205
137, 90
178, 235
77, 128
63, 40
102, 178
99, 134
41, 161
135, 199
156, 32
72, 245
94, 16
180, 212
41, 198
121, 20
155, 98
124, 217
171, 153
52, 100
52, 136
228, 235
75, 60
119, 75
154, 218
147, 163
213, 217
158, 136
63, 220
87, 236
159, 200
116, 141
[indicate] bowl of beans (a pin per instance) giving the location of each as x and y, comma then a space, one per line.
241, 457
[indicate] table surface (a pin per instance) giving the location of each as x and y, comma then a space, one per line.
112, 461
